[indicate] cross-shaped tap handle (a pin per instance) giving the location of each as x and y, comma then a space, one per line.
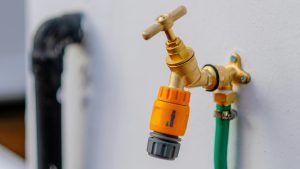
164, 23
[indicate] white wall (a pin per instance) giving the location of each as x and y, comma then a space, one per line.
127, 71
12, 48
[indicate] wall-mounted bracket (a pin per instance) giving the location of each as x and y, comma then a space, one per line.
241, 77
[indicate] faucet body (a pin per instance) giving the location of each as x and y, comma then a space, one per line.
185, 71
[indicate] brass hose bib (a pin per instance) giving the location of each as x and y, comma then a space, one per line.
183, 64
185, 73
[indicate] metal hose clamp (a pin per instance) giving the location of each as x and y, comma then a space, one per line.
226, 115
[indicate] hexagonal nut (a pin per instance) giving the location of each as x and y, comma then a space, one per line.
225, 98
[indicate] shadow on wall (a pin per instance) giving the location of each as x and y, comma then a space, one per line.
242, 121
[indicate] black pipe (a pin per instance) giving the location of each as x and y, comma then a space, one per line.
47, 65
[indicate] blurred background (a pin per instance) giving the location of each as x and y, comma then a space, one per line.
12, 85
110, 78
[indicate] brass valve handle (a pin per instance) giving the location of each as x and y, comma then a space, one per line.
164, 23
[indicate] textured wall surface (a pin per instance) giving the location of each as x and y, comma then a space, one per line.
126, 72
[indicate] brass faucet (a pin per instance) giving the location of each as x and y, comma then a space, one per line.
185, 73
182, 62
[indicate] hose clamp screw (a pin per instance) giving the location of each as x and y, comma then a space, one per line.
243, 79
233, 59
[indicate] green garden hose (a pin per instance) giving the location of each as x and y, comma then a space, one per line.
221, 139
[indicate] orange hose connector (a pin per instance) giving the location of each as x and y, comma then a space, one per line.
170, 112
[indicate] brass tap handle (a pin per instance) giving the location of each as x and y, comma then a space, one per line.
178, 13
164, 23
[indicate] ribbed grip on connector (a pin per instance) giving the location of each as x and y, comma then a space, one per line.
163, 146
175, 96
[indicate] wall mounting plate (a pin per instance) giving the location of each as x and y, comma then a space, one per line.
242, 76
